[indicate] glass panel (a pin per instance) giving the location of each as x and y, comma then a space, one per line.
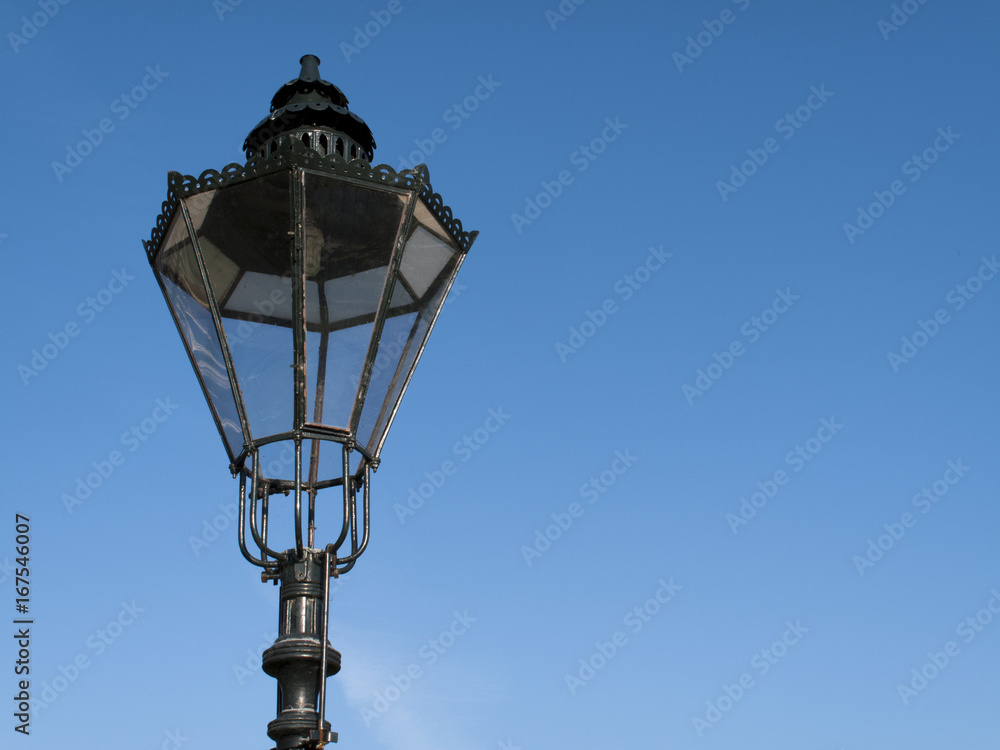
425, 262
429, 263
335, 360
351, 232
429, 248
328, 466
321, 461
399, 339
243, 235
177, 268
277, 460
262, 357
259, 297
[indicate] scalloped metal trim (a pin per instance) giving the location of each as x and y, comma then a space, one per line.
293, 153
324, 114
307, 83
441, 212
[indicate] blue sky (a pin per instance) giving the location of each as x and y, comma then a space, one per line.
732, 314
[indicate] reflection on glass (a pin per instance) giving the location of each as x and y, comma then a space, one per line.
350, 234
426, 269
243, 236
178, 269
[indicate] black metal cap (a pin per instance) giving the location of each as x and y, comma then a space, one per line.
308, 102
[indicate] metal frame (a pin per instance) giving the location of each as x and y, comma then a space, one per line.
298, 159
302, 652
293, 153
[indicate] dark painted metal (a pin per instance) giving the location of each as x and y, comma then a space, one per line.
293, 153
301, 654
261, 537
329, 556
241, 531
310, 103
310, 130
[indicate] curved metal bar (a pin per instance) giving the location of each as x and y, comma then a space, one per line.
279, 556
311, 538
253, 513
242, 530
315, 432
287, 485
366, 516
298, 497
308, 432
265, 515
261, 541
354, 519
346, 469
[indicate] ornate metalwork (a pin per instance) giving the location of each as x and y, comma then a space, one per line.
309, 129
307, 103
293, 153
301, 658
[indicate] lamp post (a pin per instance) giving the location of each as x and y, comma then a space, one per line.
304, 284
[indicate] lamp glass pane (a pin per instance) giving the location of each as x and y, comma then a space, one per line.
177, 268
429, 263
350, 231
243, 236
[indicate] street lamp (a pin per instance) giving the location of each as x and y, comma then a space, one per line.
304, 285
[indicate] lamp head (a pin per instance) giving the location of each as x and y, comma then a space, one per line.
304, 284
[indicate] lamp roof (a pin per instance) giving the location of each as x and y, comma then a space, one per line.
313, 103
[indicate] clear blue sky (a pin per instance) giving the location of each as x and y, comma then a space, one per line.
726, 248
